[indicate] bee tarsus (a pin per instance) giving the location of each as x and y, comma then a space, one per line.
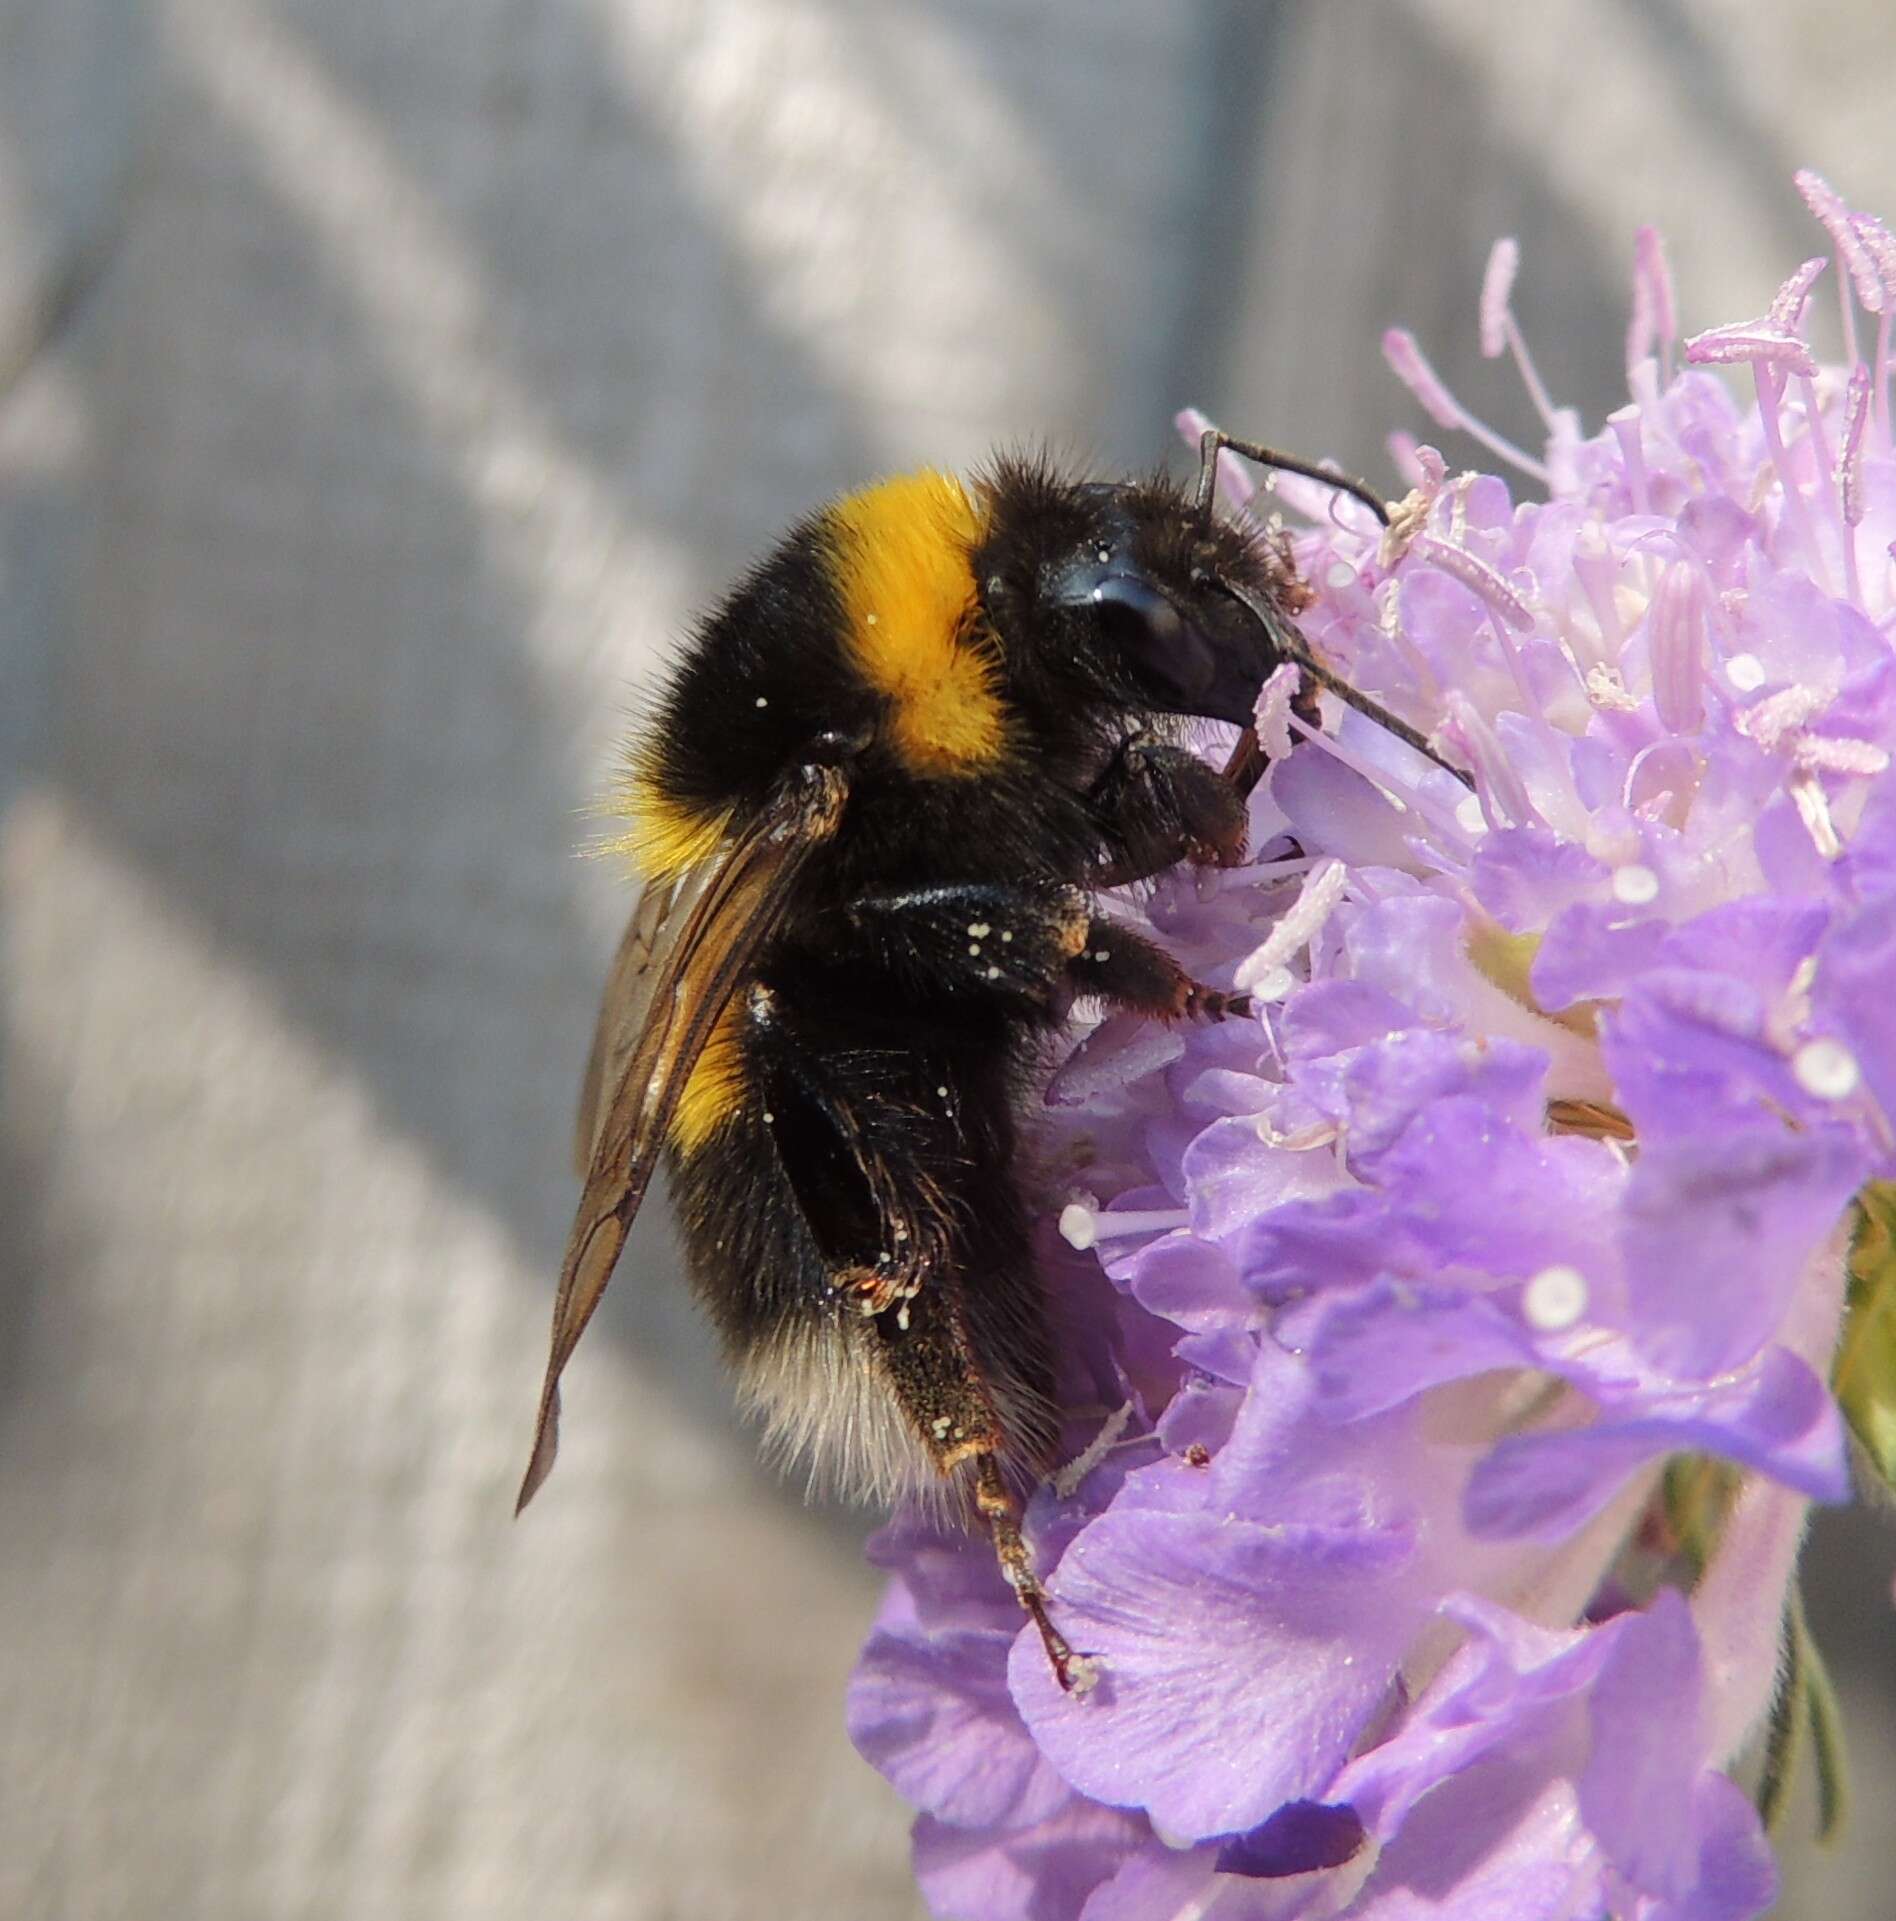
1000, 1509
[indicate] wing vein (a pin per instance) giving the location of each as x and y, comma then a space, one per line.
677, 967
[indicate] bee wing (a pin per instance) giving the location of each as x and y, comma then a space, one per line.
622, 1011
677, 967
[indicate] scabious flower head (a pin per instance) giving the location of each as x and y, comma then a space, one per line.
1451, 1344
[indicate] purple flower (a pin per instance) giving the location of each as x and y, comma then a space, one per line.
1470, 1312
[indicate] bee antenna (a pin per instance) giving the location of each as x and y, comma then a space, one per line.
1290, 643
1292, 646
1381, 715
1214, 440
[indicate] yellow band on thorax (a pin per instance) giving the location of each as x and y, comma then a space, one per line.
903, 569
665, 836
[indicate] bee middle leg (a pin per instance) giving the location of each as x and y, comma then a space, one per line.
1002, 943
1138, 974
1031, 948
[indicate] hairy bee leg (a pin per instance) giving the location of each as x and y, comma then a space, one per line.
1124, 967
1002, 1512
1246, 764
859, 1150
960, 1409
864, 1116
1158, 804
1007, 941
1035, 946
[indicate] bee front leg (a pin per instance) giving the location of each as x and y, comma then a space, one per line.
1247, 761
1158, 804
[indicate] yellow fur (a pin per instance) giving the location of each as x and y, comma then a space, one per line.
715, 1091
902, 567
666, 837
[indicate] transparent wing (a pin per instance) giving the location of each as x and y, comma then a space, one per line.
681, 960
622, 1010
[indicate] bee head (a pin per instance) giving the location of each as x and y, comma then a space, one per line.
1131, 591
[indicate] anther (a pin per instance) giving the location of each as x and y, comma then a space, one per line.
1555, 1298
1827, 1069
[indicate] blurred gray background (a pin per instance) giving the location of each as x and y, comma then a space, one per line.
381, 383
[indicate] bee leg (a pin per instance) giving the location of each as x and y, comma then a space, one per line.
939, 1306
1039, 947
1158, 804
1138, 974
1247, 762
964, 941
1000, 1509
869, 1116
972, 1419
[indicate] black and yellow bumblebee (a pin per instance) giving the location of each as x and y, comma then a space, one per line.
873, 808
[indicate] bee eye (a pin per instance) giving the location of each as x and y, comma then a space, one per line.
1144, 626
1134, 613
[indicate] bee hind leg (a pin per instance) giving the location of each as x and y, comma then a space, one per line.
1000, 1509
981, 1450
930, 1312
985, 1421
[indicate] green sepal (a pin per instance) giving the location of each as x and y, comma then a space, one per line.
1826, 1742
1805, 1709
1790, 1721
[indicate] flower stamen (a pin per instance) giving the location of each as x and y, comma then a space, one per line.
1770, 389
1408, 363
1826, 1069
1654, 320
1084, 1224
1555, 1299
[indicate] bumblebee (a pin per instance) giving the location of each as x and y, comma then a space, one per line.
886, 781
